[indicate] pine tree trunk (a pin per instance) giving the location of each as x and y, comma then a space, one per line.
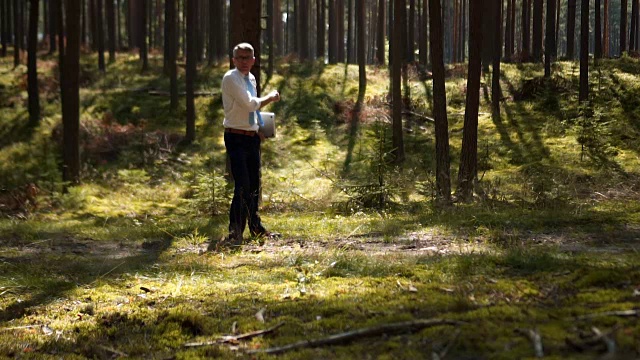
32, 65
100, 36
71, 90
584, 51
443, 163
571, 28
537, 30
381, 33
396, 90
597, 49
190, 75
550, 39
469, 153
623, 26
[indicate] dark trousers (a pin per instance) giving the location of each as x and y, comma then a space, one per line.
244, 157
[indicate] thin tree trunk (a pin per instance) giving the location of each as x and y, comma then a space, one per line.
496, 92
192, 43
537, 30
381, 43
396, 68
71, 89
550, 40
17, 25
32, 66
607, 31
597, 49
100, 36
469, 153
623, 26
584, 51
571, 28
443, 162
172, 51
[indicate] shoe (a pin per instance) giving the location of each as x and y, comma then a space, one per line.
233, 240
264, 233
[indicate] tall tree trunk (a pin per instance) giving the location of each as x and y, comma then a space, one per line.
340, 29
550, 39
245, 27
584, 51
623, 26
571, 28
496, 92
443, 162
508, 51
537, 30
424, 42
411, 35
633, 36
321, 33
606, 30
278, 28
142, 31
396, 90
71, 89
171, 39
381, 33
52, 25
362, 59
469, 153
192, 44
100, 35
270, 41
32, 66
17, 24
526, 33
303, 23
111, 30
597, 38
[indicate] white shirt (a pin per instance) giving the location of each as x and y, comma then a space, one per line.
237, 101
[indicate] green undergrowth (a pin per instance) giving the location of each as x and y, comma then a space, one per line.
130, 263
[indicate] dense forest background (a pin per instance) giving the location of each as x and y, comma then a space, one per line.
440, 167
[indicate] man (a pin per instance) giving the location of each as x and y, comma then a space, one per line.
242, 140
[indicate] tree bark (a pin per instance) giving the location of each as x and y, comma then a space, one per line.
571, 28
597, 38
111, 30
443, 162
537, 30
100, 35
381, 34
71, 90
606, 30
396, 90
245, 27
171, 39
192, 25
469, 153
550, 39
584, 51
32, 66
623, 26
496, 92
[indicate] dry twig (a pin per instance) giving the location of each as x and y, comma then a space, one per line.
348, 336
232, 339
535, 338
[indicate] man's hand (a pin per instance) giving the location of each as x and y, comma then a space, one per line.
274, 95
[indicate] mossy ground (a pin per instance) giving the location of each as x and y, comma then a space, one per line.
129, 262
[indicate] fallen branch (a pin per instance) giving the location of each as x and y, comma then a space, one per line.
424, 117
20, 327
535, 338
596, 341
113, 351
411, 326
622, 313
232, 339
